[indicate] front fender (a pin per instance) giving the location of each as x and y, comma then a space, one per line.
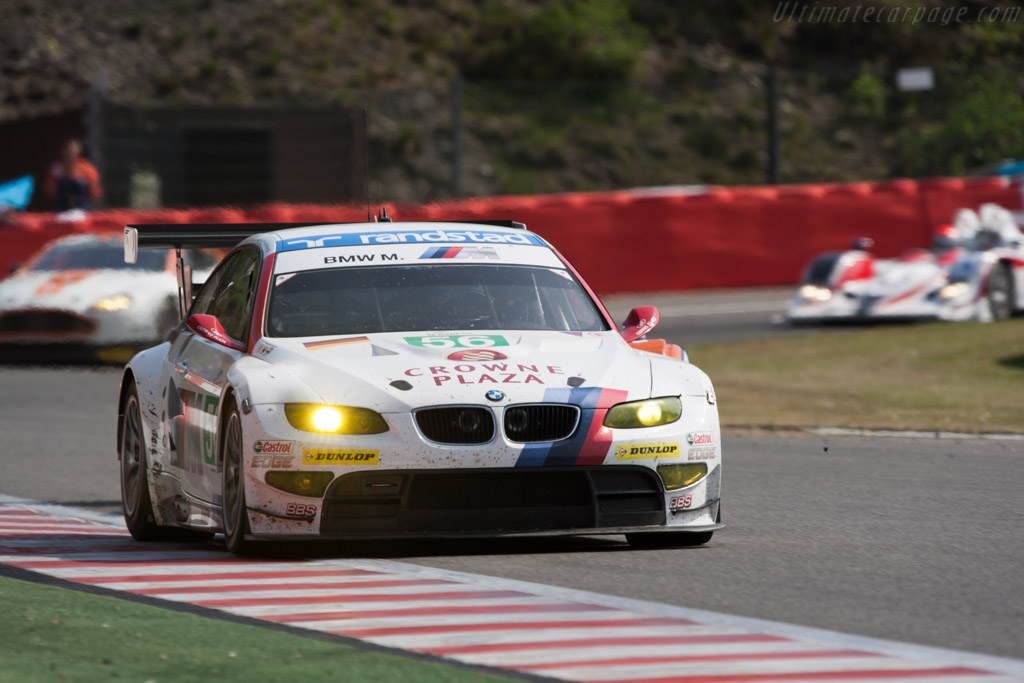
260, 382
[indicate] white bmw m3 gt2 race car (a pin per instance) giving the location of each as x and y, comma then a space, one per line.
975, 271
409, 380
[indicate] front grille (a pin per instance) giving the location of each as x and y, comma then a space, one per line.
46, 322
540, 422
493, 500
456, 424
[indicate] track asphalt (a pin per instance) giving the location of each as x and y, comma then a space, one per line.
513, 626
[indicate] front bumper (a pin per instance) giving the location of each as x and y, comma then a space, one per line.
501, 502
844, 308
412, 487
48, 352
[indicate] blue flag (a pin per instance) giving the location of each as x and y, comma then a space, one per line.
17, 193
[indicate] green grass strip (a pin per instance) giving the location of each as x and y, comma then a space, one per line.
49, 633
965, 377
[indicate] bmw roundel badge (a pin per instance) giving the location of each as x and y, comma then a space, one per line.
494, 395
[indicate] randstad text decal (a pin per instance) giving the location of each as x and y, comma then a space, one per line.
408, 237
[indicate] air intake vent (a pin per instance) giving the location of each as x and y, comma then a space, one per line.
510, 499
456, 424
48, 322
540, 422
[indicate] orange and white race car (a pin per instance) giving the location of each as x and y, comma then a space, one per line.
79, 299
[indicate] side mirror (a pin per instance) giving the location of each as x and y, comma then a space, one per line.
639, 322
208, 327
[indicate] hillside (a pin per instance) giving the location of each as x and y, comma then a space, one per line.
555, 96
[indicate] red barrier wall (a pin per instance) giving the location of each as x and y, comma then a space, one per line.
643, 240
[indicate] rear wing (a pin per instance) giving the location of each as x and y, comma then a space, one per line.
180, 236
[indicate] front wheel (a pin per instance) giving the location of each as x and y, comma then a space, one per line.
135, 501
1000, 292
236, 517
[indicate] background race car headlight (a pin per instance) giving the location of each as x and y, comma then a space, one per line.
648, 413
312, 417
953, 290
312, 484
815, 293
112, 303
678, 476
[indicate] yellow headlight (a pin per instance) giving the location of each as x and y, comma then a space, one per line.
312, 484
678, 476
112, 303
326, 419
647, 413
312, 417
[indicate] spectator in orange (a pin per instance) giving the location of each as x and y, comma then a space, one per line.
73, 182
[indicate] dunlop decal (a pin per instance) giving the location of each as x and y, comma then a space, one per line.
638, 451
361, 457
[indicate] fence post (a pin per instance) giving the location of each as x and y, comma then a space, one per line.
456, 135
771, 96
94, 120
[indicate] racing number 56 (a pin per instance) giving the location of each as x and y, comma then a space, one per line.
452, 341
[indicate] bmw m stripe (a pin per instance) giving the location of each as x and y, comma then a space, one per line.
590, 443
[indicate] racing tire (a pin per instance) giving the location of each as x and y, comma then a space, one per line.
236, 517
673, 539
135, 501
1000, 292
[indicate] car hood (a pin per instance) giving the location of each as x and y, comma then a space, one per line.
399, 371
77, 290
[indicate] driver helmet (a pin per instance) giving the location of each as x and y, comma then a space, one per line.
944, 237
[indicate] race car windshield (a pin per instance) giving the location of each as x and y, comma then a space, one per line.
433, 297
97, 256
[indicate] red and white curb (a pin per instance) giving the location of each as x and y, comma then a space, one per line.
514, 625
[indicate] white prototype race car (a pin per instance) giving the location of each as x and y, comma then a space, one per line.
975, 271
79, 299
409, 379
